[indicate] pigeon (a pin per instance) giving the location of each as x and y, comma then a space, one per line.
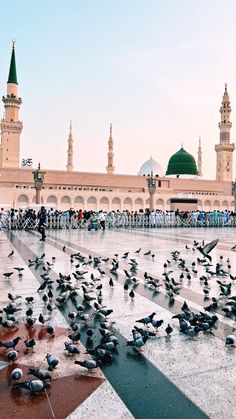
230, 340
10, 343
132, 294
19, 270
125, 255
169, 330
29, 321
12, 355
157, 323
51, 330
89, 364
35, 386
8, 274
110, 346
71, 349
75, 337
147, 253
11, 253
13, 297
29, 343
208, 248
137, 343
138, 251
29, 312
29, 300
52, 361
89, 333
111, 283
16, 374
40, 373
146, 320
105, 311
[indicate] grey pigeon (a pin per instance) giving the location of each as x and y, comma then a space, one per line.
35, 386
71, 349
40, 373
52, 361
208, 248
90, 364
16, 374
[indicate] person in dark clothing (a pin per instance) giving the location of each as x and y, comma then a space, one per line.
42, 223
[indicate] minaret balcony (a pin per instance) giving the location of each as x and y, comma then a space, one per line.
10, 101
11, 126
225, 147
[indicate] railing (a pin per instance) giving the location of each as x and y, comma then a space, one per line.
123, 220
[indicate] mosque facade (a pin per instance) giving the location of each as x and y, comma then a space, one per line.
180, 186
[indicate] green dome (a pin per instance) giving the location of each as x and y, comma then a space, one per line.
182, 163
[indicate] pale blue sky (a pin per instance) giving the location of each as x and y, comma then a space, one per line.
154, 68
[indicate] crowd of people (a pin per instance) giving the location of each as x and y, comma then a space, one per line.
55, 219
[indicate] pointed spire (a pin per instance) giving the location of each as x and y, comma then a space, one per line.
199, 160
12, 77
110, 168
70, 165
226, 91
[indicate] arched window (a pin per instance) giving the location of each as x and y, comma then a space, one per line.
127, 204
138, 204
207, 205
65, 200
23, 199
116, 204
52, 199
91, 204
216, 205
225, 205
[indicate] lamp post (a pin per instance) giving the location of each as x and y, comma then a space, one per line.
152, 184
234, 193
38, 182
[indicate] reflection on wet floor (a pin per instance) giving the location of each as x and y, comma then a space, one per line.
191, 364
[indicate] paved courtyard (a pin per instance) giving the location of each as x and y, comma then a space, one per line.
176, 377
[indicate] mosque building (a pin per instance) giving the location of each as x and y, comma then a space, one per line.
181, 186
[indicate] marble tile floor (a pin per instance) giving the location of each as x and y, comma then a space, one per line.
203, 369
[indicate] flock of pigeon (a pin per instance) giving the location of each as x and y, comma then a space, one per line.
89, 286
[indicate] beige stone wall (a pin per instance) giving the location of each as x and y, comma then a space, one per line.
101, 191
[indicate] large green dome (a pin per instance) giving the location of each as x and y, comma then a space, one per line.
182, 163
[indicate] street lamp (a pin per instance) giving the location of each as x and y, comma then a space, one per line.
38, 182
152, 184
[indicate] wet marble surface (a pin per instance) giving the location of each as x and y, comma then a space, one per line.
203, 368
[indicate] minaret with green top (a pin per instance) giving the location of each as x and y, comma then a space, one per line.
10, 125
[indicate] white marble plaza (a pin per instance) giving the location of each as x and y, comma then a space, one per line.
203, 368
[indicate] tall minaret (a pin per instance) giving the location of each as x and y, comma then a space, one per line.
69, 165
110, 168
10, 125
224, 150
199, 157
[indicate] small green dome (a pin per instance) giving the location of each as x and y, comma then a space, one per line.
182, 163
